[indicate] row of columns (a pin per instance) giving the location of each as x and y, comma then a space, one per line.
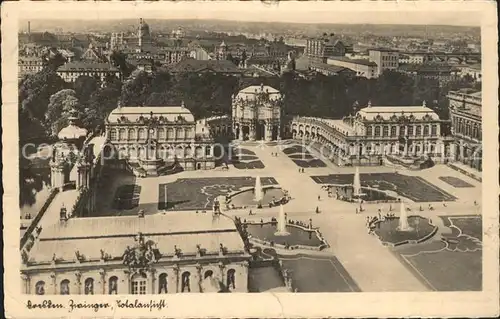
154, 151
122, 134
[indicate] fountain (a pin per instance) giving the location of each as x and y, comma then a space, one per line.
281, 224
403, 219
356, 185
258, 190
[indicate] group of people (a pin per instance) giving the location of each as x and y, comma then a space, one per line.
302, 170
422, 209
300, 223
274, 154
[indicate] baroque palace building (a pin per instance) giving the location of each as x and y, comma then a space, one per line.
256, 113
156, 139
154, 254
466, 122
375, 133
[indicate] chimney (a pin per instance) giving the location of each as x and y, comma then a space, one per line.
29, 28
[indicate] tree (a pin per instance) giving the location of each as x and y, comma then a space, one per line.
60, 107
119, 60
35, 91
53, 59
101, 103
85, 86
136, 90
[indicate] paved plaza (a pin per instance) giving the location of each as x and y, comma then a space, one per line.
359, 257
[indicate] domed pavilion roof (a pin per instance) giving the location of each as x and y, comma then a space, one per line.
72, 131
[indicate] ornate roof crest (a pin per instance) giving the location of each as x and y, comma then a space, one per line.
142, 255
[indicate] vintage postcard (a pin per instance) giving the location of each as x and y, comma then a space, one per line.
236, 159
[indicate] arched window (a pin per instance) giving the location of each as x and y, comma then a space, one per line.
89, 286
434, 129
142, 134
393, 131
385, 131
410, 130
402, 130
64, 287
139, 284
426, 130
179, 152
40, 288
207, 274
199, 152
231, 280
419, 130
113, 285
132, 134
377, 130
122, 134
170, 134
162, 284
369, 131
185, 284
161, 134
112, 135
179, 133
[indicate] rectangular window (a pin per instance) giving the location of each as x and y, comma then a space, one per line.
139, 287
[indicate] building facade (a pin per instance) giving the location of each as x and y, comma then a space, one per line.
256, 113
78, 256
156, 138
324, 47
385, 59
376, 132
361, 67
466, 122
29, 65
71, 71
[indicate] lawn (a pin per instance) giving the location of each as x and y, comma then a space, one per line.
455, 182
309, 274
199, 193
315, 274
302, 157
243, 158
413, 187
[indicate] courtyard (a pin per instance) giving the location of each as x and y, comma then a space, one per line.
355, 260
452, 262
414, 188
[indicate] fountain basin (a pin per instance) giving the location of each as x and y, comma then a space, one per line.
370, 195
246, 197
298, 237
419, 230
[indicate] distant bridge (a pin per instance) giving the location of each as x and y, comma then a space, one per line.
445, 57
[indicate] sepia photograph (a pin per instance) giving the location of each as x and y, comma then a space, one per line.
250, 149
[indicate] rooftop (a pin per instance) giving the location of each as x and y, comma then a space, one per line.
133, 113
83, 66
71, 132
386, 112
251, 92
192, 65
354, 61
184, 230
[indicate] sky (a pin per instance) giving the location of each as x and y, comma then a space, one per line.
420, 12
